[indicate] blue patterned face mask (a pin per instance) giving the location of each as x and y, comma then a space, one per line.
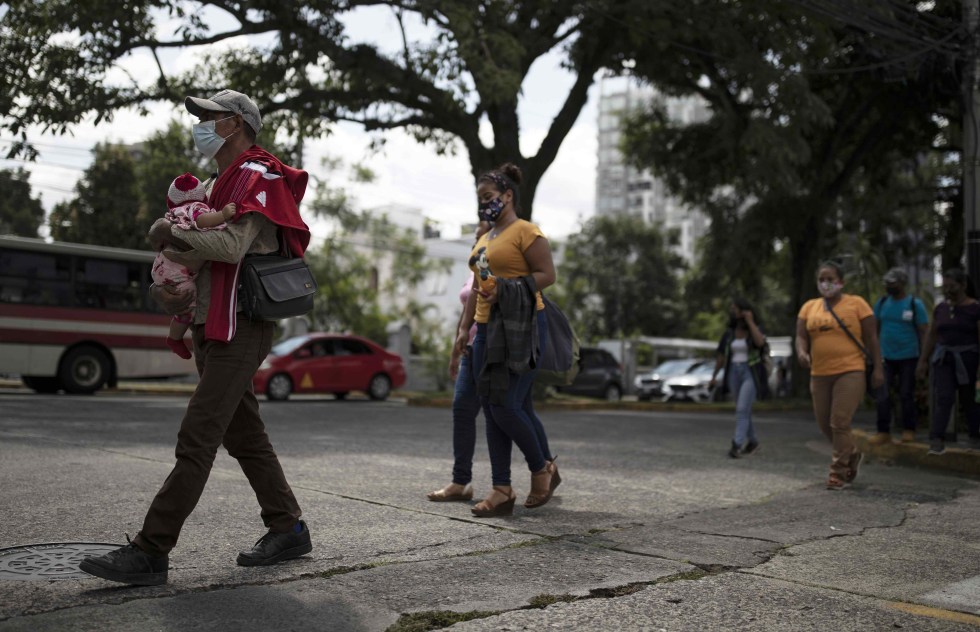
490, 211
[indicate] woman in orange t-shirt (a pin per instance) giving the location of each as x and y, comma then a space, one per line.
515, 248
836, 359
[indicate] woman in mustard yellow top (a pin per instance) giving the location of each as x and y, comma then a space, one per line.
513, 250
836, 359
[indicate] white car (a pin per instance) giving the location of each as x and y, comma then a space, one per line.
693, 386
650, 385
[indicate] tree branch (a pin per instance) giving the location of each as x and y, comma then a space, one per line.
563, 121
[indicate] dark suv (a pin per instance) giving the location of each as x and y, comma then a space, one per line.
599, 375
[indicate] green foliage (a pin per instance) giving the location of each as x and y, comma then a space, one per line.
619, 276
20, 213
62, 61
106, 210
364, 258
812, 149
347, 300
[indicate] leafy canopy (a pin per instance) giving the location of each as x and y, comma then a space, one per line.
20, 212
619, 277
458, 64
819, 138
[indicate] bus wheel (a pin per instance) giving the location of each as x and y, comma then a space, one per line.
41, 384
84, 370
279, 387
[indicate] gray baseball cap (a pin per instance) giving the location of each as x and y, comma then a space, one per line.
227, 101
896, 275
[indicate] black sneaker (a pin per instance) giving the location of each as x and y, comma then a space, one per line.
936, 446
750, 448
273, 548
129, 565
734, 451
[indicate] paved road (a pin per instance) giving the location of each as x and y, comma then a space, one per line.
654, 528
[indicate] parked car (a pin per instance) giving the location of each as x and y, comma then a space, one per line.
692, 386
599, 375
650, 385
329, 363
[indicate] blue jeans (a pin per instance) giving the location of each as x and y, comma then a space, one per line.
904, 370
515, 421
742, 387
466, 406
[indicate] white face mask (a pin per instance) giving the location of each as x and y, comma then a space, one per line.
207, 141
829, 289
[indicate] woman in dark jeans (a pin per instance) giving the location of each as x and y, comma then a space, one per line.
952, 351
512, 250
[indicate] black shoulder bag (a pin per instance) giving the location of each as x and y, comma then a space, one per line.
868, 362
273, 286
558, 364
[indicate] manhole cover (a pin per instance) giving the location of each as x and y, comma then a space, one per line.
42, 562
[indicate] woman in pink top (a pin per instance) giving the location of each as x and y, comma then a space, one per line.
466, 407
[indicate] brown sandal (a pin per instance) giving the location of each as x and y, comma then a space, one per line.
543, 485
486, 508
445, 496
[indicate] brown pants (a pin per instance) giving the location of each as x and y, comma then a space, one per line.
222, 411
835, 400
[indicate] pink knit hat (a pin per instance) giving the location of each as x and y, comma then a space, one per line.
185, 188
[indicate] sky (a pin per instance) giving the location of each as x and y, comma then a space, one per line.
406, 172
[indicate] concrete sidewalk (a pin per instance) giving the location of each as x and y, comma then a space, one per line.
654, 527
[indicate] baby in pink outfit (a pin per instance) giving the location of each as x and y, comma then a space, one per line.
187, 209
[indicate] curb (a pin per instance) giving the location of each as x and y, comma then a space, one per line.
959, 460
599, 405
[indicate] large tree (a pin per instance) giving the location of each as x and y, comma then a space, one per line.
817, 139
459, 63
20, 212
106, 209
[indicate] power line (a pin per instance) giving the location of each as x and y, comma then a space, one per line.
44, 163
89, 150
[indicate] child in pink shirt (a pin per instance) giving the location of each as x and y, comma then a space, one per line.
187, 209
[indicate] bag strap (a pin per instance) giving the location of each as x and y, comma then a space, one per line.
283, 245
846, 330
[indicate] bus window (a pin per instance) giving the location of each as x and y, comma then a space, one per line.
108, 284
35, 278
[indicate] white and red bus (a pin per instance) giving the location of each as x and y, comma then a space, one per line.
78, 317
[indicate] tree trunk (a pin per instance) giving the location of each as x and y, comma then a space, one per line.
804, 254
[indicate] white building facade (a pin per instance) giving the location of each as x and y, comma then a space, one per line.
440, 289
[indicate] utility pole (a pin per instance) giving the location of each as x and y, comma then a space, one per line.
971, 140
